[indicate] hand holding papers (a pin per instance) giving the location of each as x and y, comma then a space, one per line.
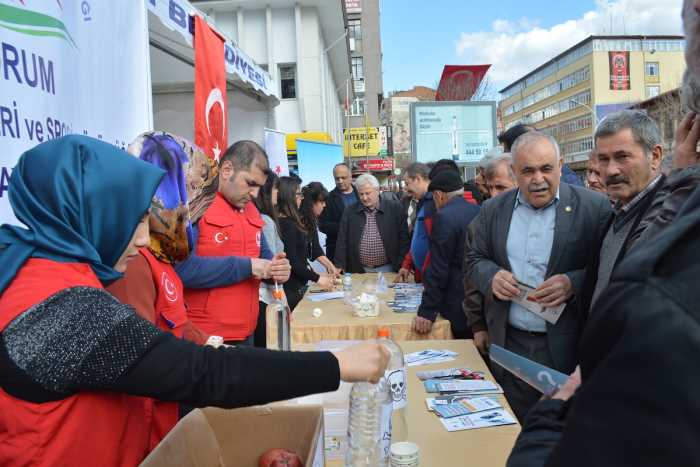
524, 299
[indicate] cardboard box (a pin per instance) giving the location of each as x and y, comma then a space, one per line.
237, 438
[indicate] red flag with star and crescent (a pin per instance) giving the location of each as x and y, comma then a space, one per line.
210, 129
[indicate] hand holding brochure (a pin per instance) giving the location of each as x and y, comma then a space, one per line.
544, 379
551, 315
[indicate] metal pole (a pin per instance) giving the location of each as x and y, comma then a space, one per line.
346, 134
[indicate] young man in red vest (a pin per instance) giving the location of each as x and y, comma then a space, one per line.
223, 273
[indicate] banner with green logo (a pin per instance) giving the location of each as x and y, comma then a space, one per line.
70, 67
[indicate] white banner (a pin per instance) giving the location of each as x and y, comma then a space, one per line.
70, 67
276, 149
175, 15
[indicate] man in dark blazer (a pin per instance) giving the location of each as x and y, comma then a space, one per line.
443, 292
373, 234
342, 196
540, 235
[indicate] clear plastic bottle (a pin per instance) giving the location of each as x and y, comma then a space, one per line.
347, 282
282, 315
370, 404
395, 377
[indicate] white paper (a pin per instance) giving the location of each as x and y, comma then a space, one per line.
467, 385
432, 374
429, 356
551, 315
478, 420
398, 386
475, 404
323, 296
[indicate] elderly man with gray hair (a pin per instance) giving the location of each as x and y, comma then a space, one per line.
535, 238
373, 234
498, 175
628, 148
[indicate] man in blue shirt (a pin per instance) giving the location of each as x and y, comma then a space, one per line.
543, 235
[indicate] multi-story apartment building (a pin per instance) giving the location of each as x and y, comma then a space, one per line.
569, 94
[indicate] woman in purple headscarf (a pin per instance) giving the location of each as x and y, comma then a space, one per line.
150, 283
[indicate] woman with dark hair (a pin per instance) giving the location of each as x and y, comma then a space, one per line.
266, 202
73, 358
295, 236
315, 196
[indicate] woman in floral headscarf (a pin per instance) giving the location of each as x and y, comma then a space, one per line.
150, 283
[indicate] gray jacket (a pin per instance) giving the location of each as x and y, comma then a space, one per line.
581, 218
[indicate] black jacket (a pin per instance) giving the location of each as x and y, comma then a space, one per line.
391, 221
329, 222
637, 405
444, 291
298, 247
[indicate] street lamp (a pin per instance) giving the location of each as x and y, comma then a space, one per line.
593, 115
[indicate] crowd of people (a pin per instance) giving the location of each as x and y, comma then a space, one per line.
137, 286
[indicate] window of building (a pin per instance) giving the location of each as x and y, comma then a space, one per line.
651, 68
358, 106
358, 71
355, 33
653, 91
574, 79
577, 146
288, 79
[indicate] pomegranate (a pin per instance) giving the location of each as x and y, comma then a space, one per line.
280, 458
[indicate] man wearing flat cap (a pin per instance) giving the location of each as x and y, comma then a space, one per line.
443, 286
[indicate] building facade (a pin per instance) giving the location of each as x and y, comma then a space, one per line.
667, 110
366, 61
569, 94
301, 44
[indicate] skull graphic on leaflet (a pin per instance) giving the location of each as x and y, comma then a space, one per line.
397, 383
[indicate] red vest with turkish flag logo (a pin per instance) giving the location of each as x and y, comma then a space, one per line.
230, 311
171, 316
88, 428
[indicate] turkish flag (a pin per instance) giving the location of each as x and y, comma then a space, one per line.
210, 129
460, 82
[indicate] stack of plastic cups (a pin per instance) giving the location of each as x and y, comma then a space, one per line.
405, 454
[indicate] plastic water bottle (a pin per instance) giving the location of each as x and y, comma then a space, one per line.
282, 314
370, 404
377, 412
395, 377
347, 282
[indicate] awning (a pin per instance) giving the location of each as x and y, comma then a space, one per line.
173, 36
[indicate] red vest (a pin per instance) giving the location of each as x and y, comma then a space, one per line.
86, 429
231, 311
171, 316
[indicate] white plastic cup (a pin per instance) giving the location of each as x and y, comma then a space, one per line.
405, 454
